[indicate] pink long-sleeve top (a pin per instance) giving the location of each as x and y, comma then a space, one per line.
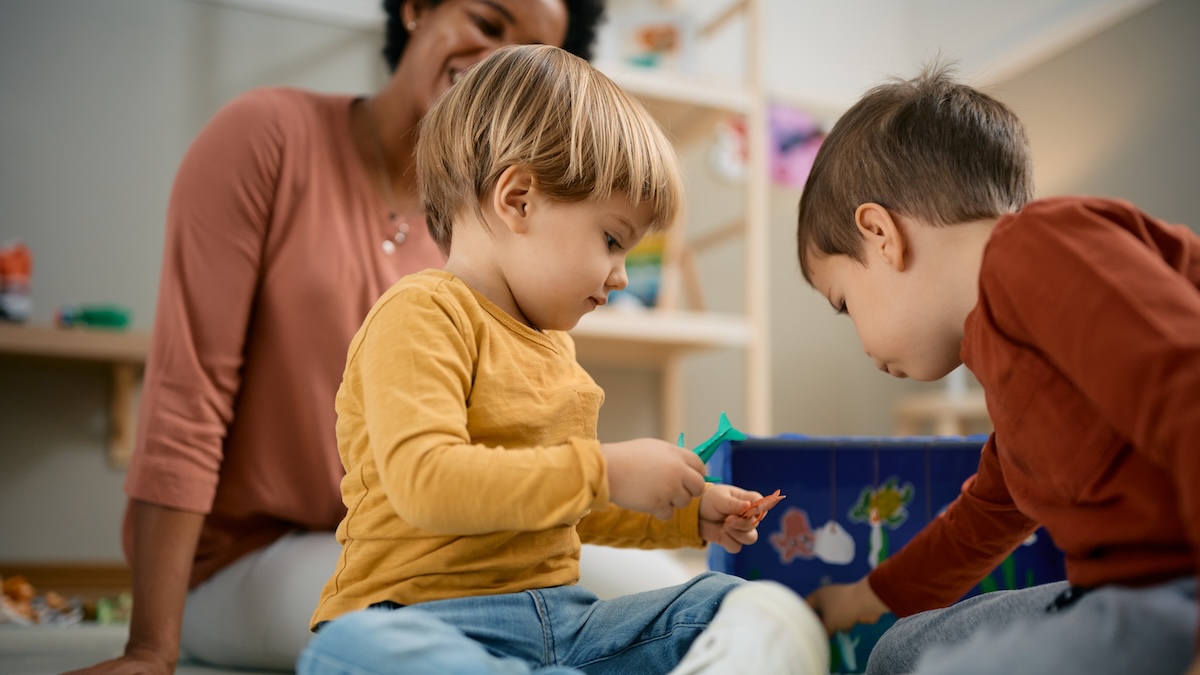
273, 258
1086, 339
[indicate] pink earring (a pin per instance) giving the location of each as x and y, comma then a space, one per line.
411, 26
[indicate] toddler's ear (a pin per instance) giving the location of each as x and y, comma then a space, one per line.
511, 198
882, 235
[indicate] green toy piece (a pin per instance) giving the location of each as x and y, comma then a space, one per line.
725, 432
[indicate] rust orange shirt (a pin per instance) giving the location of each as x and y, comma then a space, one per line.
273, 257
1086, 339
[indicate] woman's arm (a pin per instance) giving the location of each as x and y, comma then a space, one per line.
164, 541
216, 223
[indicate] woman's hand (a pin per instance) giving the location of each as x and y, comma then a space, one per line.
134, 662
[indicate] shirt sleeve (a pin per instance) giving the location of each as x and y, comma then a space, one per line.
415, 366
1137, 356
958, 548
217, 219
623, 528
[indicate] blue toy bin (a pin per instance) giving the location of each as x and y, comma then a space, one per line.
850, 501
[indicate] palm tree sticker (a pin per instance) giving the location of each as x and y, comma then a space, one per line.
880, 506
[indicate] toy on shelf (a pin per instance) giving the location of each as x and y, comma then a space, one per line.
643, 269
20, 604
111, 317
16, 270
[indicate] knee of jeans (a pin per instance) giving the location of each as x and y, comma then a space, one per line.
716, 581
368, 634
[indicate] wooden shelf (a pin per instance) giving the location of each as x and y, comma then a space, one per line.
124, 353
940, 413
658, 340
654, 87
79, 344
686, 107
689, 107
652, 338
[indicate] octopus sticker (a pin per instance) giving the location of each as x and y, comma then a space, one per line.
795, 538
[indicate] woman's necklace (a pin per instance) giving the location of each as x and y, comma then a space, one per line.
394, 218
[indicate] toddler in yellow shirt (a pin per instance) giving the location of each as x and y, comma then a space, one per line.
468, 429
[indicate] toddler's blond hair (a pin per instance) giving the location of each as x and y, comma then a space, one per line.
541, 108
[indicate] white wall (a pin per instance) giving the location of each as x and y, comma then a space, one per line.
1117, 115
993, 41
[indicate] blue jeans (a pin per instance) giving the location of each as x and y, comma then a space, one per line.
564, 629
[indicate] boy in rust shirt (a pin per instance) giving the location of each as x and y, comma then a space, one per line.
1081, 319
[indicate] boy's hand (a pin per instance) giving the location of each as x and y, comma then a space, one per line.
720, 519
842, 606
652, 476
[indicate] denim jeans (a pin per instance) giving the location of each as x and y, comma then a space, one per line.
564, 629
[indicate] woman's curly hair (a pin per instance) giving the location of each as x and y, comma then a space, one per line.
583, 18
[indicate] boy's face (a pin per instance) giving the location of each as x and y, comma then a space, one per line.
897, 313
571, 257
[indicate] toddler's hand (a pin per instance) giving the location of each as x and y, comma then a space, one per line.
720, 519
652, 476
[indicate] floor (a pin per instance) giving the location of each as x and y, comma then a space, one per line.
49, 650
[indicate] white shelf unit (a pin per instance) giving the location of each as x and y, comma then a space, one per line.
688, 108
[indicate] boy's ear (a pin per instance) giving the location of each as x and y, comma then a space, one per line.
882, 234
512, 197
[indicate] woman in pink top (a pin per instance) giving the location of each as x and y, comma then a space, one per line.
290, 215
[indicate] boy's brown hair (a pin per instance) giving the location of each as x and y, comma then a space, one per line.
539, 107
928, 148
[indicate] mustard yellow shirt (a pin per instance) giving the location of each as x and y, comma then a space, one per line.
472, 463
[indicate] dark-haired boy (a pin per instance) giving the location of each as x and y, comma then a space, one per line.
1081, 319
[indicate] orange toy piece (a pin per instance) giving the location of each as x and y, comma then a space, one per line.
17, 597
760, 507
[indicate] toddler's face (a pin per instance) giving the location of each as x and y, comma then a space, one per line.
904, 328
571, 258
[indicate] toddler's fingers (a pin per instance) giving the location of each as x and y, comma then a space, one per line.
749, 496
693, 461
726, 500
735, 523
745, 537
694, 482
